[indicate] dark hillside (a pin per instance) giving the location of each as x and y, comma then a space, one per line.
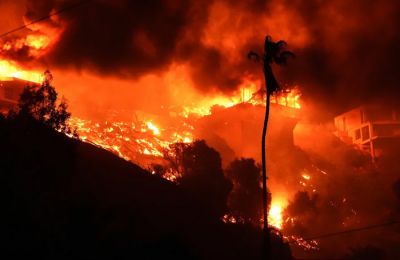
64, 199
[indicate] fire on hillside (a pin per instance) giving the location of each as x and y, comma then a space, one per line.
185, 76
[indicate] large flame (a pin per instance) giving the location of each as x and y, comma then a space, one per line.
11, 69
275, 218
36, 44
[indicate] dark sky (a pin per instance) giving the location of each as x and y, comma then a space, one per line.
347, 51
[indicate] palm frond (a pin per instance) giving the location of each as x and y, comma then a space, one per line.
281, 44
287, 54
254, 56
281, 58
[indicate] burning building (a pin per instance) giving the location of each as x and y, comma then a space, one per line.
244, 121
372, 128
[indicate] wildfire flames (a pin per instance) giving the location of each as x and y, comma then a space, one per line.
129, 139
275, 217
10, 69
134, 140
136, 84
143, 138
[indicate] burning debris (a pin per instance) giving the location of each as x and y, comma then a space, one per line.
129, 140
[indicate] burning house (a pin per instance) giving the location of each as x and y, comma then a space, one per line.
244, 122
373, 129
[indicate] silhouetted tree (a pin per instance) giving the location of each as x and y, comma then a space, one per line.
245, 199
175, 157
303, 209
40, 103
274, 52
203, 176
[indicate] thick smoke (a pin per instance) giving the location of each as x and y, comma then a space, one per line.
352, 57
347, 52
10, 15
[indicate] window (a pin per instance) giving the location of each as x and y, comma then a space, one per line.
357, 134
344, 124
365, 133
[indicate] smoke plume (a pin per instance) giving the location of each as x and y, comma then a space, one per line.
347, 52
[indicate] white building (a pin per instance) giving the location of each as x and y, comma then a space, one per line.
374, 129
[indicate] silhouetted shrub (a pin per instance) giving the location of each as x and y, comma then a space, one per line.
203, 176
245, 200
41, 104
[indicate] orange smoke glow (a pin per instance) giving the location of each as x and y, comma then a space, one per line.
36, 44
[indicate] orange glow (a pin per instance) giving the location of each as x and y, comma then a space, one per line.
307, 245
275, 218
288, 98
37, 44
128, 140
246, 93
153, 128
10, 69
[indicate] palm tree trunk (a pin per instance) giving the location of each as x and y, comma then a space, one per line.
266, 237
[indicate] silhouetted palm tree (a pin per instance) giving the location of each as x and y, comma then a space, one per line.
274, 52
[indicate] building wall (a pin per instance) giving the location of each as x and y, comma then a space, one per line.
367, 126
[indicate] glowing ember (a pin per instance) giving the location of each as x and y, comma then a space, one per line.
311, 245
129, 140
153, 128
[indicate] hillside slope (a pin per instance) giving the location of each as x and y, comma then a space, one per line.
64, 199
